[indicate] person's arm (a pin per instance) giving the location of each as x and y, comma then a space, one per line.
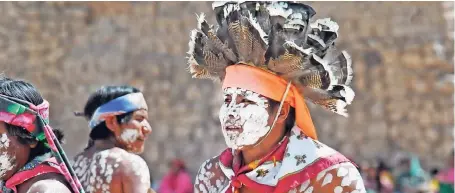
48, 186
135, 175
337, 179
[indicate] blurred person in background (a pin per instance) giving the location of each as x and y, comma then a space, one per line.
384, 179
364, 166
434, 179
118, 120
177, 180
31, 158
369, 179
446, 176
412, 178
267, 55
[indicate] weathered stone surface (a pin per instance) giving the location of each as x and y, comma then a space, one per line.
402, 52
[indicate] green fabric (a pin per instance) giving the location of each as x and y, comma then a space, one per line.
446, 188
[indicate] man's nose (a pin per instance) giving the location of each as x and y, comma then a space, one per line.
233, 113
146, 129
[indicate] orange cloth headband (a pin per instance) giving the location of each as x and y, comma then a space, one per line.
271, 86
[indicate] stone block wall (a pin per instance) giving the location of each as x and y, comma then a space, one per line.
403, 62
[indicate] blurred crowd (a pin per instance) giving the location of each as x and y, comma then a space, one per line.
408, 176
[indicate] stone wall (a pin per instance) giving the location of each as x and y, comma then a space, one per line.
402, 60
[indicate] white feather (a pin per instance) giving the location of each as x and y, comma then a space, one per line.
256, 25
292, 44
318, 39
228, 9
279, 9
200, 20
327, 69
333, 26
191, 45
216, 4
192, 42
350, 74
348, 94
341, 108
294, 22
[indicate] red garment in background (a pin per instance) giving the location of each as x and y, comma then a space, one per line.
176, 183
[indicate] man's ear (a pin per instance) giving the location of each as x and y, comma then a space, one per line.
34, 144
112, 124
284, 112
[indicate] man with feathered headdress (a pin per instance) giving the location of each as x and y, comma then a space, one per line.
268, 57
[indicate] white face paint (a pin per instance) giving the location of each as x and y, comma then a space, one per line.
7, 162
242, 122
129, 135
4, 141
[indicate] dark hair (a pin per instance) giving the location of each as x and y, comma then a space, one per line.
382, 166
434, 171
101, 97
25, 91
290, 120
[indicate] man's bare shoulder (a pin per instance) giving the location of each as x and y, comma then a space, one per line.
48, 186
46, 183
133, 166
210, 177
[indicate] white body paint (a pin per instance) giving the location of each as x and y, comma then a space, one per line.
7, 162
253, 118
96, 173
129, 135
205, 182
4, 141
50, 186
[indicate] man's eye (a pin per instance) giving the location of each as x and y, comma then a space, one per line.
248, 101
227, 100
140, 118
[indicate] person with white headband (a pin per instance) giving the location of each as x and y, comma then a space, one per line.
118, 120
269, 58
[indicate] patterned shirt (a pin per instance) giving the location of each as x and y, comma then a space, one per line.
297, 164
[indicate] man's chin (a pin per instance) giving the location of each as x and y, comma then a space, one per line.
240, 147
137, 150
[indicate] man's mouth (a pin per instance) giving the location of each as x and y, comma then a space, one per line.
234, 128
141, 139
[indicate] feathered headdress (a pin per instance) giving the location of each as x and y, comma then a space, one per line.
278, 38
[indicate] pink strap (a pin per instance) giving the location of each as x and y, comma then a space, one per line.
23, 176
42, 109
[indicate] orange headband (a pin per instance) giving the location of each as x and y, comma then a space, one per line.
271, 86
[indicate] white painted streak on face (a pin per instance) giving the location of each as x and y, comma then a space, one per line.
253, 118
129, 135
7, 163
4, 141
